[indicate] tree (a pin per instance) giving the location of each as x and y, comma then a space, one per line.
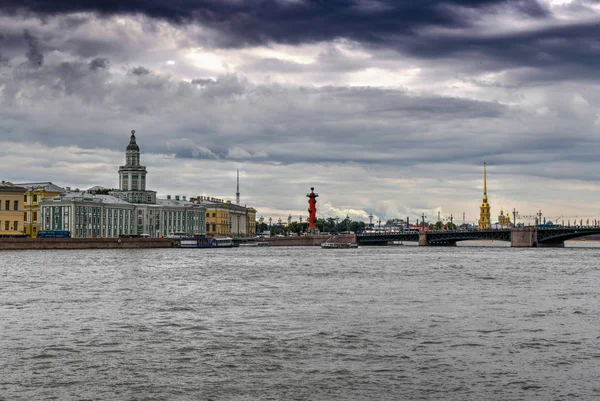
262, 227
438, 225
450, 226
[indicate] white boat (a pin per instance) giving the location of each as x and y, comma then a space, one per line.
338, 245
224, 242
254, 244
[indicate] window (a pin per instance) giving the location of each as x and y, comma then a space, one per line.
214, 215
34, 198
16, 225
34, 217
7, 225
7, 205
25, 198
17, 205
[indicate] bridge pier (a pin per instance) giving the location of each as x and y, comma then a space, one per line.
525, 237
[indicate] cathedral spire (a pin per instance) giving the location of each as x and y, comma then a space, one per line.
484, 209
484, 179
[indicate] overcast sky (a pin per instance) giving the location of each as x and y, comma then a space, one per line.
387, 107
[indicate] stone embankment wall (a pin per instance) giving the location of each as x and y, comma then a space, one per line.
84, 243
342, 239
308, 240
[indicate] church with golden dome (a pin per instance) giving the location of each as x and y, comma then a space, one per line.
484, 209
504, 220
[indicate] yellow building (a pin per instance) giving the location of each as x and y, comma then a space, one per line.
36, 191
217, 215
484, 209
11, 209
250, 222
504, 220
225, 219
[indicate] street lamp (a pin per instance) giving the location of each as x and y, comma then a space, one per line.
370, 221
270, 220
260, 221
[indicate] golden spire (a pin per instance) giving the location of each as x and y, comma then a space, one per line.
484, 182
484, 212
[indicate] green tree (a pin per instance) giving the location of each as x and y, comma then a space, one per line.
450, 226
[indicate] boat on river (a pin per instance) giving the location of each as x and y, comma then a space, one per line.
254, 244
338, 245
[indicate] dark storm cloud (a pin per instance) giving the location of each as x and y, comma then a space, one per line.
99, 63
34, 54
293, 22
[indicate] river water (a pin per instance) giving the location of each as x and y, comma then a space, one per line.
392, 323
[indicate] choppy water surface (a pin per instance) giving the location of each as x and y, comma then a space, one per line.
300, 324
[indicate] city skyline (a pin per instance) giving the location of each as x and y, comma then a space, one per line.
386, 108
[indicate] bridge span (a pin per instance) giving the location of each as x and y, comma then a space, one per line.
525, 237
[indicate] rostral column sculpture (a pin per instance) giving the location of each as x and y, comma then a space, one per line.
312, 211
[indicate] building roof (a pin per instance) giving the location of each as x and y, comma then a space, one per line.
45, 186
107, 199
9, 187
176, 203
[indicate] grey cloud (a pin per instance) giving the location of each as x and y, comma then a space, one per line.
140, 71
203, 81
232, 118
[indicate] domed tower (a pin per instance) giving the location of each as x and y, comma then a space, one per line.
132, 177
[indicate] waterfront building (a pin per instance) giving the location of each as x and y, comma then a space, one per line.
11, 209
504, 220
88, 215
36, 192
132, 210
484, 209
224, 218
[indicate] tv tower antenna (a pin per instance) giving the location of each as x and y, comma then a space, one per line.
237, 194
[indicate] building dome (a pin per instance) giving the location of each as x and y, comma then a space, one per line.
132, 144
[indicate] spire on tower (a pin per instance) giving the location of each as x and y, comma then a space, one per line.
237, 194
484, 179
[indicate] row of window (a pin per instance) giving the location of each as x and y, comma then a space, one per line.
8, 227
7, 205
35, 198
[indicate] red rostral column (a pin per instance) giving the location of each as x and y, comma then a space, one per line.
312, 211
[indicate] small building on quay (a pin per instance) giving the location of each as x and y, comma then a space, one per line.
11, 210
130, 210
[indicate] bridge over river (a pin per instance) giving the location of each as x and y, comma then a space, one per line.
518, 237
